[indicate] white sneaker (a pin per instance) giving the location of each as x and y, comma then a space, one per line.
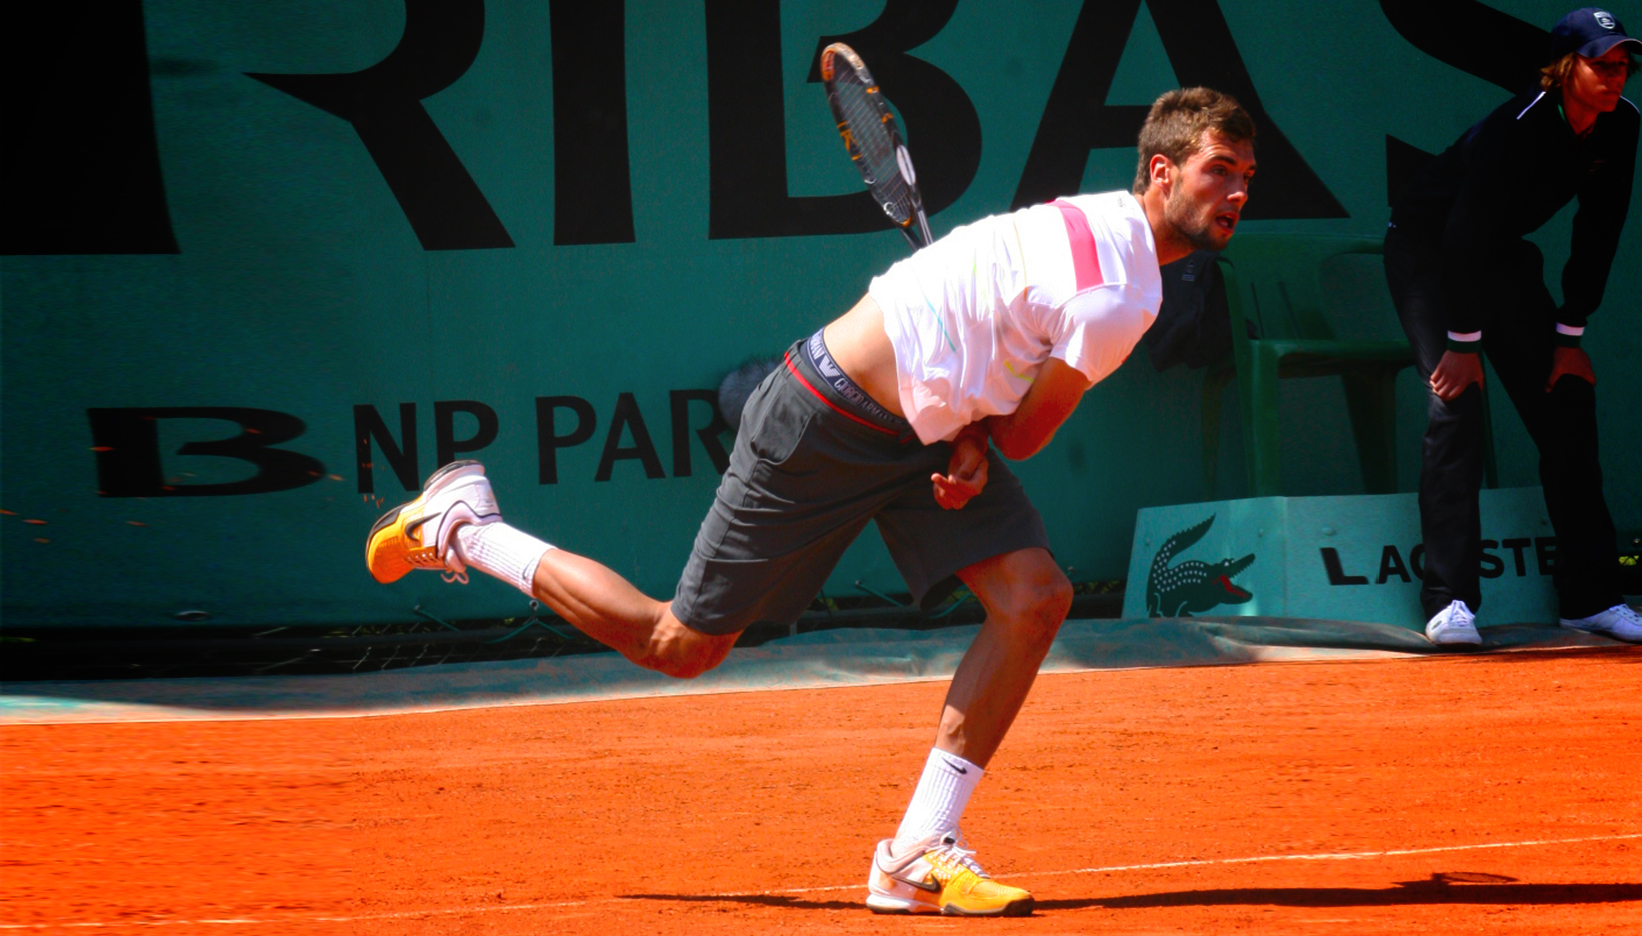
939, 875
421, 534
1454, 624
1618, 622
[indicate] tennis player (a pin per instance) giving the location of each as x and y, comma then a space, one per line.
988, 337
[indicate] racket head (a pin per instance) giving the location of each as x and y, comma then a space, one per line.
874, 141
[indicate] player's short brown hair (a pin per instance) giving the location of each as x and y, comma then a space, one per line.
1555, 75
1177, 121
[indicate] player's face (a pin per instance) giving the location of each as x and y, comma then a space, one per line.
1209, 190
1597, 83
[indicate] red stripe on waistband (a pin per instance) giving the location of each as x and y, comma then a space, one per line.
830, 404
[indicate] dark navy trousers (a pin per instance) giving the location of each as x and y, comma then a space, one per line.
1518, 337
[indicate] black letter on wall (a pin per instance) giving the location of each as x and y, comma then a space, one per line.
1391, 563
1516, 546
680, 400
80, 166
628, 415
548, 442
592, 191
445, 442
368, 425
1490, 565
1201, 51
127, 441
747, 131
1336, 573
1498, 47
1545, 554
383, 102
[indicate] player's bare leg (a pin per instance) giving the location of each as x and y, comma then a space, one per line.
455, 524
606, 607
927, 867
1026, 597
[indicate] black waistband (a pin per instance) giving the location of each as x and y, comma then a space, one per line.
833, 385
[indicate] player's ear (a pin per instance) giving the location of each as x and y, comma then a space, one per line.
1161, 169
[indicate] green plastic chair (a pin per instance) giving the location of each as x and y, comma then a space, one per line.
1276, 281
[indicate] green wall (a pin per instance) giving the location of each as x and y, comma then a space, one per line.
273, 267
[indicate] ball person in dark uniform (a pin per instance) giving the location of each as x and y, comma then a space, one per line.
1466, 282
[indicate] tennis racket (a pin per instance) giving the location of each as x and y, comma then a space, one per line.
874, 143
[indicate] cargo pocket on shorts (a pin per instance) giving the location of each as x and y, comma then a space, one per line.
782, 452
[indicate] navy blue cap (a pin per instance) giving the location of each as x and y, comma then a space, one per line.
1590, 32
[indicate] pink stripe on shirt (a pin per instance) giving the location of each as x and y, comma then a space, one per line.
1085, 261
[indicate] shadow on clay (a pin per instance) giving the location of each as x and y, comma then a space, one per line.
1460, 887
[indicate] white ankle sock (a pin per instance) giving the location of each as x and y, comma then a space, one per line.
505, 552
943, 792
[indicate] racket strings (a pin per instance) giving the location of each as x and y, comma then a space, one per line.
874, 147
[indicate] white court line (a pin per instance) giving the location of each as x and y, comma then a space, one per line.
1321, 856
1335, 856
1110, 869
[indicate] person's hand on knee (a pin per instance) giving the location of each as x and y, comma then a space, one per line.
1570, 362
1456, 371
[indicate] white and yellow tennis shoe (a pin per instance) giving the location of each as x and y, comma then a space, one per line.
422, 533
938, 875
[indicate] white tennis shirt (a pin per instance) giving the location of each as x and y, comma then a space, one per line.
974, 315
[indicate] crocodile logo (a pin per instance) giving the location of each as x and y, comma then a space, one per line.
1192, 587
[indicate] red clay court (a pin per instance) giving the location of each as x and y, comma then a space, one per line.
1492, 793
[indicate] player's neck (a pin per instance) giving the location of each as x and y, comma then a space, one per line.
1171, 244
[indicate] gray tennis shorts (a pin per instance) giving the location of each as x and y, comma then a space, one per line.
815, 459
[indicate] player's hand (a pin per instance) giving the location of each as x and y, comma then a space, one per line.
1566, 362
1456, 371
966, 471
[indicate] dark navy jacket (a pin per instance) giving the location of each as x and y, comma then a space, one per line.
1505, 178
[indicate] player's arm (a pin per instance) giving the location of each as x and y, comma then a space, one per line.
1053, 396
